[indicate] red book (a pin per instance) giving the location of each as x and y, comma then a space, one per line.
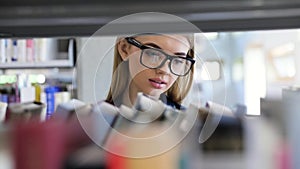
38, 145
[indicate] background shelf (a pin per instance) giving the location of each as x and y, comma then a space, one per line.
33, 65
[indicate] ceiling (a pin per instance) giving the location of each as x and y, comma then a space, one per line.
43, 18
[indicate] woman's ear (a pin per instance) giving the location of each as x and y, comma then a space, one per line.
123, 49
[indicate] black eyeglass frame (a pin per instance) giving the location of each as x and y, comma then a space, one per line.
136, 43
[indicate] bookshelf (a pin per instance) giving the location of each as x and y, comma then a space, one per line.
37, 65
46, 53
30, 66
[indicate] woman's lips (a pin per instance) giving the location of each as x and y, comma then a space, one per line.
157, 83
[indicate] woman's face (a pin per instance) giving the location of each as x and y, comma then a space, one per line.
154, 82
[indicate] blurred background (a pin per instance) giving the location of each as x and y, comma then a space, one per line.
257, 43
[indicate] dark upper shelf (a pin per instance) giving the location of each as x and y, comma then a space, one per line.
82, 18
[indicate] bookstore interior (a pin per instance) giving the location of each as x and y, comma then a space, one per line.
56, 72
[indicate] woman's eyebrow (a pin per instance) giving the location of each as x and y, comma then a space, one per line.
157, 47
152, 45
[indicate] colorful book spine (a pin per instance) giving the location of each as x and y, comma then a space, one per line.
50, 100
14, 55
29, 50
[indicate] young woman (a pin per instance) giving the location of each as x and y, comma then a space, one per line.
158, 65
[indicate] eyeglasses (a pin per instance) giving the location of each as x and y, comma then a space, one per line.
154, 58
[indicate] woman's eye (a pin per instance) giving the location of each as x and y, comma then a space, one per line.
152, 53
178, 61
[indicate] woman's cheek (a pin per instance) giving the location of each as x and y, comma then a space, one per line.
135, 67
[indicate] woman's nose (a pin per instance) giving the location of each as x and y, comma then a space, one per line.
164, 68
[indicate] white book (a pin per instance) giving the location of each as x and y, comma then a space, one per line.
9, 48
3, 45
22, 50
37, 49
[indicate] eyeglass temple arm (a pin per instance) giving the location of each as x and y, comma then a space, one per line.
133, 42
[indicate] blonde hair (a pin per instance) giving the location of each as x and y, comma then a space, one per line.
121, 76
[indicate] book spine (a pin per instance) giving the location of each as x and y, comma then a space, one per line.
29, 50
21, 50
14, 55
3, 46
9, 47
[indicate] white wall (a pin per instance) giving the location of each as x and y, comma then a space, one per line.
94, 67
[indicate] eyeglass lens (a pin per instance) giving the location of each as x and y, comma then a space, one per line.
152, 58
